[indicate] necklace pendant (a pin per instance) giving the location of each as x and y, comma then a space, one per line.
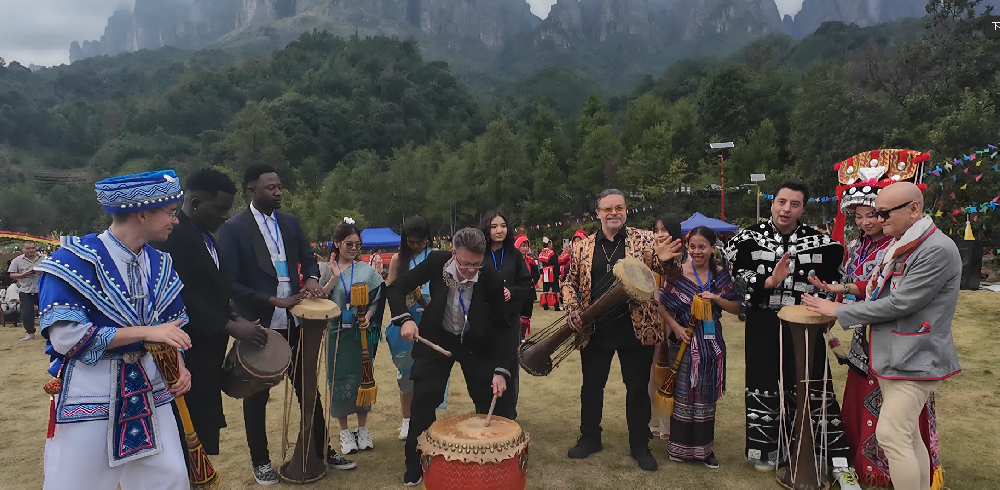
609, 267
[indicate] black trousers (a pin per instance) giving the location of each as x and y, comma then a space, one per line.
763, 370
204, 400
28, 303
430, 375
255, 407
507, 404
635, 364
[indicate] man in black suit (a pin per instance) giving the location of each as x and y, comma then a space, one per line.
207, 198
264, 251
466, 316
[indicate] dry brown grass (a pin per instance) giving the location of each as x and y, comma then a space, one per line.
968, 410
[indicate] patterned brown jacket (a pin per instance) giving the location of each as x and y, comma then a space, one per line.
576, 286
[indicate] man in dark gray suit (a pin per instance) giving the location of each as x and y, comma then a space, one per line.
265, 250
910, 308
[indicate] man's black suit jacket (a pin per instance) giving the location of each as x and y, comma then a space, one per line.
248, 263
487, 312
206, 287
206, 299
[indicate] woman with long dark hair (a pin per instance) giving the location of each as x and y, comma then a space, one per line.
695, 301
344, 372
414, 246
665, 227
505, 258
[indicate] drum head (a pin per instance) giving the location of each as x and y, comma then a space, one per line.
316, 309
801, 315
637, 279
270, 360
467, 438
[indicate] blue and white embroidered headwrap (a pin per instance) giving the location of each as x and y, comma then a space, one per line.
138, 192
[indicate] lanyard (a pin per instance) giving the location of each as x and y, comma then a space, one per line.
278, 248
709, 282
465, 315
210, 243
494, 254
347, 291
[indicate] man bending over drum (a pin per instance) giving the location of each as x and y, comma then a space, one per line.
467, 316
191, 244
633, 335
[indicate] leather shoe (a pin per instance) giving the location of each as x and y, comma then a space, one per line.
644, 458
585, 447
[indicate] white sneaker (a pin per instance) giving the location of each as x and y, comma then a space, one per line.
365, 439
404, 429
763, 466
846, 478
348, 444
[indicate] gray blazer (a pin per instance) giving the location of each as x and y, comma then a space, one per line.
911, 319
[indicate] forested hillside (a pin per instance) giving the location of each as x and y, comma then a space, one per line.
366, 128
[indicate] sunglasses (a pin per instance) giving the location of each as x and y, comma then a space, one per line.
884, 214
352, 244
618, 209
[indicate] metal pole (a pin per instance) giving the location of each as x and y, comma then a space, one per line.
722, 168
758, 203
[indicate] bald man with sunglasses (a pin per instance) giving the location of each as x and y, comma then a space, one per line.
910, 309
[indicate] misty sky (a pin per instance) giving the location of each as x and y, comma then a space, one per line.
40, 31
541, 7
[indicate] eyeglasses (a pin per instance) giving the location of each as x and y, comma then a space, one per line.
884, 214
352, 244
172, 214
618, 209
468, 266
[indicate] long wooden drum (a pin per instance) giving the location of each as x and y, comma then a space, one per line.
461, 452
805, 470
305, 465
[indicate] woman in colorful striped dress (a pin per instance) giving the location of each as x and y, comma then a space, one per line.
701, 376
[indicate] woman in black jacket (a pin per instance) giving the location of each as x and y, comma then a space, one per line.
503, 257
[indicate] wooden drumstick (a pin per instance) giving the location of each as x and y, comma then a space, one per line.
432, 345
489, 415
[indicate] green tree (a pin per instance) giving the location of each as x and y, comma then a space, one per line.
253, 138
727, 103
502, 173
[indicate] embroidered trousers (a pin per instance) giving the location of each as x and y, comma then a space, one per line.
77, 457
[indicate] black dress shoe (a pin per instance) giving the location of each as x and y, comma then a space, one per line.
585, 447
644, 457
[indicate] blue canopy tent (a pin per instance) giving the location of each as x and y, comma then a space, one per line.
382, 237
698, 219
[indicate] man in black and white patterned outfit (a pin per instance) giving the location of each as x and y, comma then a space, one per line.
772, 262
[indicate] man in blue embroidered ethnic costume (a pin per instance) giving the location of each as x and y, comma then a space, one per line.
101, 296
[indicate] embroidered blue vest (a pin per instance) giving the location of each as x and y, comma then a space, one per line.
82, 284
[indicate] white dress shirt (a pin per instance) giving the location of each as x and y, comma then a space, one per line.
454, 318
276, 247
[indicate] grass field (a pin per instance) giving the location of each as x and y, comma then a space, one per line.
549, 408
